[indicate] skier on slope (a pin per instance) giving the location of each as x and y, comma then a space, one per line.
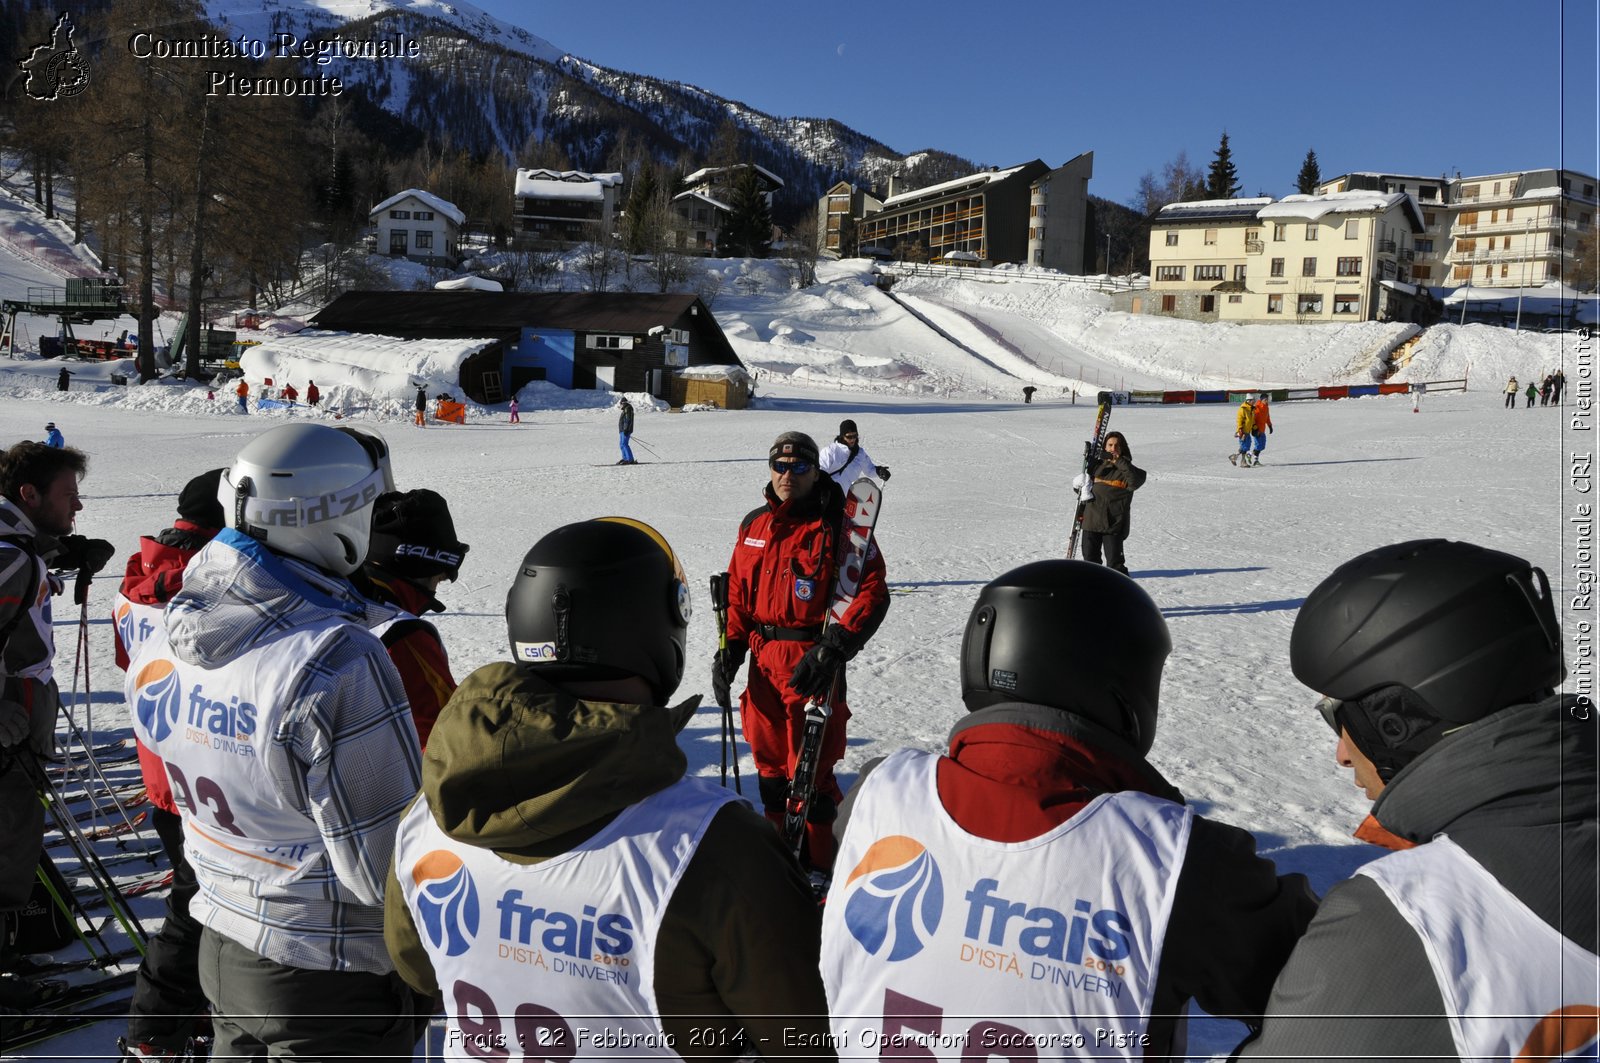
846, 460
1107, 517
1441, 664
554, 784
1045, 803
420, 405
414, 549
53, 436
1260, 427
624, 431
290, 821
1244, 427
780, 581
167, 998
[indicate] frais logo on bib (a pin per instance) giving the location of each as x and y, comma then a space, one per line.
896, 907
1567, 1035
447, 901
157, 698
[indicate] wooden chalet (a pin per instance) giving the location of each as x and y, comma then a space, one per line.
616, 341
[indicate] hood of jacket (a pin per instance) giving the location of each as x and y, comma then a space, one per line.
1529, 765
515, 764
15, 523
237, 595
155, 573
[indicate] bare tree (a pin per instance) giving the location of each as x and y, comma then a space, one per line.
1180, 180
800, 252
600, 262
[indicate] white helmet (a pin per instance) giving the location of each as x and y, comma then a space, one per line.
306, 490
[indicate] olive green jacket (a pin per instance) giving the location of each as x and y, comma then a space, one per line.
520, 767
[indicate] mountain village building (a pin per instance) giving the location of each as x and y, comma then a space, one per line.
982, 217
560, 208
420, 226
701, 211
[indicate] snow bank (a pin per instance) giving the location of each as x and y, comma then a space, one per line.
380, 366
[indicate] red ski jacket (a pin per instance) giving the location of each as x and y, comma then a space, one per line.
781, 574
414, 646
152, 577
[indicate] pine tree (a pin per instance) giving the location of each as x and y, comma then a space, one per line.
749, 229
637, 215
1310, 175
1222, 181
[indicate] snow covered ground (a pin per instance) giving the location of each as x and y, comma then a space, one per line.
979, 485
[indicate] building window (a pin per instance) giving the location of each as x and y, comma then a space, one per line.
1428, 192
424, 239
397, 241
1311, 230
1169, 273
1277, 267
1497, 188
1349, 267
1510, 212
1466, 247
1427, 219
1421, 273
1211, 237
1238, 273
1469, 191
1274, 304
423, 215
1346, 303
1308, 304
1468, 219
1278, 232
611, 343
1424, 247
1208, 304
1352, 229
1172, 239
1308, 267
1583, 219
1169, 304
402, 215
1505, 271
1252, 236
1208, 273
1494, 216
1235, 298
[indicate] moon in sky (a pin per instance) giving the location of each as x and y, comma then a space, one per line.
840, 50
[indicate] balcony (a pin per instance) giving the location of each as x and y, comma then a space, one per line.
1407, 255
1386, 247
1254, 247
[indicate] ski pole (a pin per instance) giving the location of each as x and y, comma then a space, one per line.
719, 605
648, 449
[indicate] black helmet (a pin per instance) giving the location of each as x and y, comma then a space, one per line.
1075, 636
601, 599
1421, 637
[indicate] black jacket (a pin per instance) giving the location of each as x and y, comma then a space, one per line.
625, 419
1115, 481
1516, 791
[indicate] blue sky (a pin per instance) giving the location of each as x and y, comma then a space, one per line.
1420, 87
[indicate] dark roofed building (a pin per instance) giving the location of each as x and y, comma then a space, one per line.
619, 341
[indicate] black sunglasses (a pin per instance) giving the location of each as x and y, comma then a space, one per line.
799, 468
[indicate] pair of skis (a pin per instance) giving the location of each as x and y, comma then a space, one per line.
1093, 450
861, 505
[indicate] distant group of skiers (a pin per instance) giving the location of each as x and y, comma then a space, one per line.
1548, 390
550, 877
290, 394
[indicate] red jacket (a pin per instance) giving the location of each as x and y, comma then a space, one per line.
414, 647
152, 577
783, 566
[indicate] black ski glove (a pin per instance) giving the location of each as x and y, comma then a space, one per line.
724, 666
883, 473
83, 554
813, 676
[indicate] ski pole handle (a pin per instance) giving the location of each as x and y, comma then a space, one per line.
719, 606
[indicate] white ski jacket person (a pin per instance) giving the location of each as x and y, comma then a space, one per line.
290, 749
838, 461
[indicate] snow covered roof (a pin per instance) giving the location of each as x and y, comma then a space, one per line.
706, 172
1547, 192
430, 200
377, 365
469, 283
1313, 208
564, 184
943, 187
1213, 204
719, 204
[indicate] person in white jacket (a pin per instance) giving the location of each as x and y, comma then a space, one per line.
846, 461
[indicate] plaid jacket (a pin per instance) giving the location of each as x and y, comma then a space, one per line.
343, 753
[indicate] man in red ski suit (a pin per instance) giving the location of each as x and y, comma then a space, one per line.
779, 584
167, 998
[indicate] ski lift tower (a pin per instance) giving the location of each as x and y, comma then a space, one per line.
83, 301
